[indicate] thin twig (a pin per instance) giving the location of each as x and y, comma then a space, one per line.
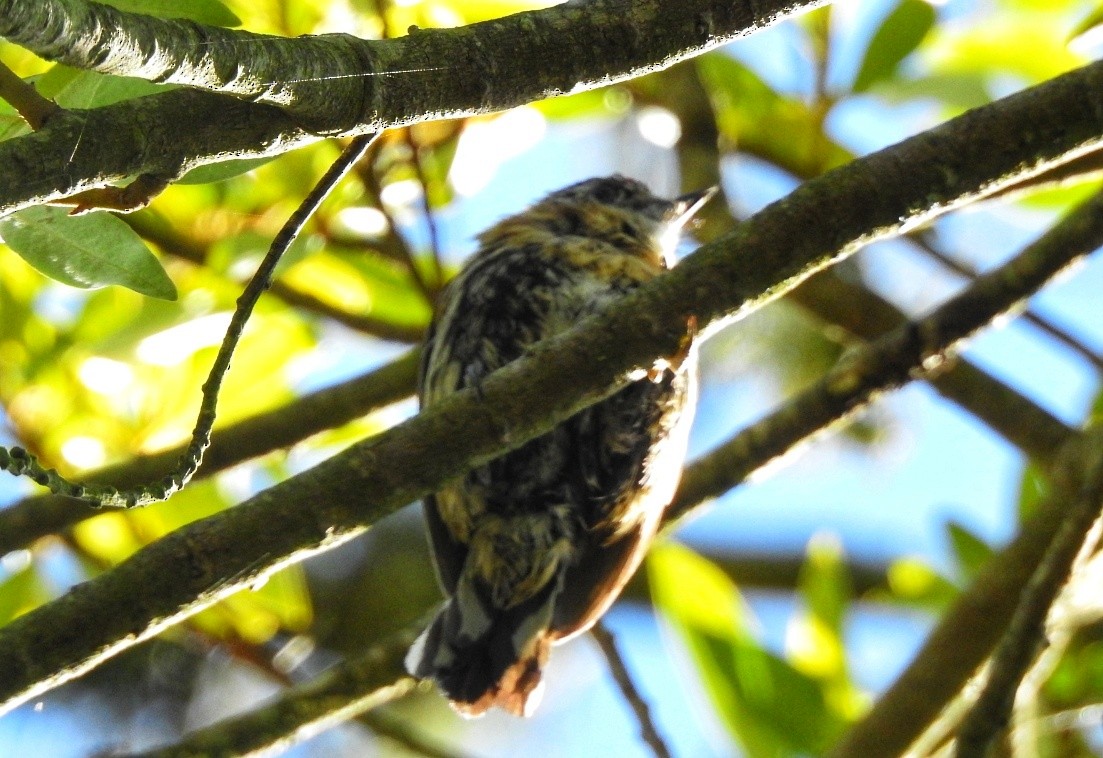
409, 258
19, 462
189, 249
34, 517
427, 211
608, 645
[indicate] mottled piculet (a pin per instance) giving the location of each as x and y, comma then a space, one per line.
532, 548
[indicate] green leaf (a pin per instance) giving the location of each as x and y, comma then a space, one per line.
913, 582
824, 582
970, 550
89, 89
958, 91
1034, 487
217, 172
89, 251
20, 593
899, 34
210, 12
769, 707
1090, 23
778, 129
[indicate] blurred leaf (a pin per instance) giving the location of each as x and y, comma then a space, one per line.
210, 12
1033, 488
282, 602
473, 11
110, 537
217, 172
1059, 198
361, 283
1078, 678
913, 582
958, 91
770, 708
759, 121
1089, 23
970, 551
595, 103
995, 48
11, 123
1095, 414
899, 34
88, 251
824, 584
20, 593
815, 641
74, 88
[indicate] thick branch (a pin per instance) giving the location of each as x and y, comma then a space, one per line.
333, 82
344, 86
882, 364
910, 350
822, 221
854, 307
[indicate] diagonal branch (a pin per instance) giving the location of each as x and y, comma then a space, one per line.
970, 630
855, 308
824, 220
336, 695
1026, 630
887, 362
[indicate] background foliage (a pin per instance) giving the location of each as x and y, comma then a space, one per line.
808, 593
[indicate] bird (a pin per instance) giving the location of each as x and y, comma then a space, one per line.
533, 547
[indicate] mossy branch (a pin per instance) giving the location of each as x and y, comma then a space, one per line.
860, 375
824, 220
290, 92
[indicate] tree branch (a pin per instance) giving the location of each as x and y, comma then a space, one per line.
969, 631
822, 221
884, 363
619, 670
1026, 630
852, 306
910, 350
325, 86
1007, 412
343, 692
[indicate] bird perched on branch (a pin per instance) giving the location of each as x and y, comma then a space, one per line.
532, 548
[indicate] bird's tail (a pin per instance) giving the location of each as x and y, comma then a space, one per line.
482, 656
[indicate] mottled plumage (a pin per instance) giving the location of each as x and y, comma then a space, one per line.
533, 547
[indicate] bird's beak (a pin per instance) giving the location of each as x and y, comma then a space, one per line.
688, 204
